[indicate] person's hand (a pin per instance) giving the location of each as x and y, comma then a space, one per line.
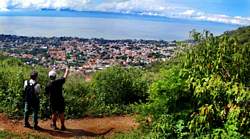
66, 72
67, 68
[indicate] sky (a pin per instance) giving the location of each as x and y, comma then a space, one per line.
221, 11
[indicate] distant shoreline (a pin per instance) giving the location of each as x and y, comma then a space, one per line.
110, 26
68, 37
100, 14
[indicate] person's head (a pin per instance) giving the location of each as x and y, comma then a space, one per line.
34, 75
52, 74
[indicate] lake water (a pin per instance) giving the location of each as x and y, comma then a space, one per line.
105, 25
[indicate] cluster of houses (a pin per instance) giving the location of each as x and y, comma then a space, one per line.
86, 55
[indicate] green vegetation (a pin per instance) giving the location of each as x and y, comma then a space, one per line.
203, 92
12, 76
242, 35
115, 88
111, 91
9, 135
132, 135
206, 95
4, 134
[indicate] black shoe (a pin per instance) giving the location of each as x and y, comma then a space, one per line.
36, 127
63, 128
27, 125
53, 126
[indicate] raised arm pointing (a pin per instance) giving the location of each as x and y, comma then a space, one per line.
66, 73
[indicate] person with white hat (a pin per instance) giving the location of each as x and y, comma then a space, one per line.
54, 90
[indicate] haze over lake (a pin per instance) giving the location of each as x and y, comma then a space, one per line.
102, 25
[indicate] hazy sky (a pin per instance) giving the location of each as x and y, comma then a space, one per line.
223, 11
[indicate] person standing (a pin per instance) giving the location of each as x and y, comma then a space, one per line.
31, 99
54, 90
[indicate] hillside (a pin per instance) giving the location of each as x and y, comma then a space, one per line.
202, 92
242, 34
205, 93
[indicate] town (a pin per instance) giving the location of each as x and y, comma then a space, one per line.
85, 55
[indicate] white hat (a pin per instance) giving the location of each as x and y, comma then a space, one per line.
52, 73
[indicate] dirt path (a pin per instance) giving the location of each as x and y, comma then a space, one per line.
80, 128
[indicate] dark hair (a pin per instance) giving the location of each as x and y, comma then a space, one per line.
33, 75
52, 77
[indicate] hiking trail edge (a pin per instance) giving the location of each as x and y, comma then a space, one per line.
76, 128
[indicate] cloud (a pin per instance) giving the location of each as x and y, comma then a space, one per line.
150, 7
164, 8
41, 4
3, 5
192, 14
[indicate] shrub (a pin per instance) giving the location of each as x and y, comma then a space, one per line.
119, 87
81, 98
76, 92
205, 96
12, 79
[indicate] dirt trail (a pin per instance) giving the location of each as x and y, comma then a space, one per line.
80, 128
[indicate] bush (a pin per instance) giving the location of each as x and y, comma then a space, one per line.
205, 96
12, 79
82, 98
117, 87
76, 92
168, 106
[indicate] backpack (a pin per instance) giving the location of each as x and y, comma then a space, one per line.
29, 93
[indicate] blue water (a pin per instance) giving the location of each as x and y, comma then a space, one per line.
48, 23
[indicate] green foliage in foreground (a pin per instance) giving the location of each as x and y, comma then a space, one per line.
4, 134
242, 34
9, 135
76, 92
201, 93
112, 91
117, 87
137, 134
12, 76
206, 95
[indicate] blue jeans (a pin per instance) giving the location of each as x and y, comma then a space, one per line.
34, 107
